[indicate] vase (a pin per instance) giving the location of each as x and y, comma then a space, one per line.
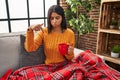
112, 26
115, 55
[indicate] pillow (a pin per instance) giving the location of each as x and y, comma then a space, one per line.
31, 58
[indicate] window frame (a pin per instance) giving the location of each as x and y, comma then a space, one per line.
8, 19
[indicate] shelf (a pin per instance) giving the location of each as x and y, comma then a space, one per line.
109, 58
110, 1
112, 31
109, 9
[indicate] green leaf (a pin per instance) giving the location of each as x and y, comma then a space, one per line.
116, 49
77, 20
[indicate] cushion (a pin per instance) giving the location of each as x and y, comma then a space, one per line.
31, 58
9, 52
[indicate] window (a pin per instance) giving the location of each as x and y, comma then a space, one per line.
17, 15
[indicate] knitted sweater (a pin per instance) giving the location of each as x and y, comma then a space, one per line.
50, 42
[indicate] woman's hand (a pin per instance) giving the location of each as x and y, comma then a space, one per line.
70, 49
36, 27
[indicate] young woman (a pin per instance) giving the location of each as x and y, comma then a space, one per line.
51, 36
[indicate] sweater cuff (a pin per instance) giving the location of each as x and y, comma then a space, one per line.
29, 29
30, 33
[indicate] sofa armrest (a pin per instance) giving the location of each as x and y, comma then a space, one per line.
77, 51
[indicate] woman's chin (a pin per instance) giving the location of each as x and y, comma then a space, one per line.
55, 26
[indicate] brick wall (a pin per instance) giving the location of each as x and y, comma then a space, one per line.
87, 41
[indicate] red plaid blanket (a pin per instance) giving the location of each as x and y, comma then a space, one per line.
86, 66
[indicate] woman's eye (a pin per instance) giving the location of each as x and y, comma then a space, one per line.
57, 17
51, 18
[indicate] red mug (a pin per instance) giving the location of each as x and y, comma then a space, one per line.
63, 48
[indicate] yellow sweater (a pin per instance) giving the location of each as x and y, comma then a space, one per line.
50, 42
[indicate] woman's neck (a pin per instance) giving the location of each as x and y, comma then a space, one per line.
58, 30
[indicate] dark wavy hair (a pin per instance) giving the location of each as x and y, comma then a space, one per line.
59, 10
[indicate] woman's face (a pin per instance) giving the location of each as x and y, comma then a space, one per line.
56, 20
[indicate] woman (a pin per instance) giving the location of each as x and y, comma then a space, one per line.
51, 36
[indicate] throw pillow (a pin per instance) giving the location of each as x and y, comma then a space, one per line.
31, 58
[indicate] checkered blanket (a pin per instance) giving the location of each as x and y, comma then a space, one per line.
86, 66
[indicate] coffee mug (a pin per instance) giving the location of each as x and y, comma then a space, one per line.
63, 48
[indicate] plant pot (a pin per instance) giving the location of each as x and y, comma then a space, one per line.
119, 28
112, 26
115, 55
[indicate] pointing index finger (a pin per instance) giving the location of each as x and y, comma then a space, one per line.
41, 27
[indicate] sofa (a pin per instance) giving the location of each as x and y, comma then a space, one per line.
13, 54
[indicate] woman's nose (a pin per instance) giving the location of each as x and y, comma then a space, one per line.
54, 20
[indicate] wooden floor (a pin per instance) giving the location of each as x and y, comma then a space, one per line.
113, 65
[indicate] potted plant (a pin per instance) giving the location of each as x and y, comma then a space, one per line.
118, 25
115, 51
80, 22
112, 24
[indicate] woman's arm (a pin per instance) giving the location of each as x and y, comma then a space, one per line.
31, 43
70, 54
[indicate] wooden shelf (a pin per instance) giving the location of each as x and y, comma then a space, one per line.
107, 38
110, 59
112, 31
110, 1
